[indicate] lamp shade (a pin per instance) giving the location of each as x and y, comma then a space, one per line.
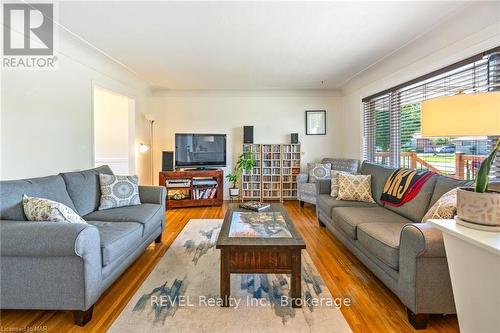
462, 115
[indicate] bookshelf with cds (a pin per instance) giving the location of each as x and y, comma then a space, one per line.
251, 182
271, 172
274, 177
290, 169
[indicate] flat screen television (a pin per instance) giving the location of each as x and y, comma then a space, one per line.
200, 150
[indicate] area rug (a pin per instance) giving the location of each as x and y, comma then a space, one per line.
182, 294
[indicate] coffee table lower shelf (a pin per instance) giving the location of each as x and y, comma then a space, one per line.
261, 260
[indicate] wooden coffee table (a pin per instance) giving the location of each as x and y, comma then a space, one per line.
268, 243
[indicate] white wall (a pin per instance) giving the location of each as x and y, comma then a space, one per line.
46, 116
463, 35
274, 116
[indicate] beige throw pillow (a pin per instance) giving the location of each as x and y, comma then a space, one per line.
335, 182
40, 209
444, 208
355, 187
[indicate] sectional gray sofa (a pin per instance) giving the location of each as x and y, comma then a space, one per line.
65, 266
408, 256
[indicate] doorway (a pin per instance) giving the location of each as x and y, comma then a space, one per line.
114, 130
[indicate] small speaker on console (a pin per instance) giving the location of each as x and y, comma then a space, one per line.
247, 134
294, 138
167, 161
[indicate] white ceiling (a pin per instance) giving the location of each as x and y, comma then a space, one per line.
257, 45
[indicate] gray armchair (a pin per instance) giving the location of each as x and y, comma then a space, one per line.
306, 189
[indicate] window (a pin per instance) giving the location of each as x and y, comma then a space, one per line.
392, 127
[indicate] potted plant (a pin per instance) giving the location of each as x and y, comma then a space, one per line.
478, 207
245, 162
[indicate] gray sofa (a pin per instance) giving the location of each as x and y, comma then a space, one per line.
408, 256
65, 266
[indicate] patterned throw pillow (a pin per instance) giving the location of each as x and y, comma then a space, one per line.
119, 191
444, 208
319, 171
40, 209
335, 182
355, 187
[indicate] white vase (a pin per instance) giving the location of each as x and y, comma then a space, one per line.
478, 209
234, 192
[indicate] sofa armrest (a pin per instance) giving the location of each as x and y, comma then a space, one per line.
47, 239
302, 178
323, 186
56, 265
424, 283
152, 194
423, 240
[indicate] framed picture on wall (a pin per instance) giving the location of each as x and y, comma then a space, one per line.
316, 122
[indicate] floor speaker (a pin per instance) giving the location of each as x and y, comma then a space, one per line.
247, 134
167, 161
294, 138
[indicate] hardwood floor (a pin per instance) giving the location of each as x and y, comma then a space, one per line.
374, 307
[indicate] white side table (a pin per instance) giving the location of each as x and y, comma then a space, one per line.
474, 262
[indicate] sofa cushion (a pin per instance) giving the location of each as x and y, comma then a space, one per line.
382, 241
444, 184
379, 175
348, 218
416, 208
326, 203
11, 194
146, 214
84, 188
117, 238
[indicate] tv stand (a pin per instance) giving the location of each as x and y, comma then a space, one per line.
193, 188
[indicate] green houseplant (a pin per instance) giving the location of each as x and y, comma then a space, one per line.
479, 207
245, 162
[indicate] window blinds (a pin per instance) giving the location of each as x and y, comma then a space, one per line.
392, 120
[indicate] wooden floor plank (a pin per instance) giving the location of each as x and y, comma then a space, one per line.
374, 307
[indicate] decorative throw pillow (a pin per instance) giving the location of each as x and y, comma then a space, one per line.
355, 187
444, 208
319, 171
335, 182
40, 209
119, 191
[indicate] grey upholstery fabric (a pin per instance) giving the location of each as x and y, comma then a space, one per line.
382, 241
11, 194
49, 267
44, 239
84, 188
302, 178
416, 208
117, 238
327, 203
348, 218
307, 192
443, 184
149, 215
424, 285
379, 175
152, 194
343, 164
64, 266
324, 186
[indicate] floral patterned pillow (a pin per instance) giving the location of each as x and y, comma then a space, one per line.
119, 191
40, 209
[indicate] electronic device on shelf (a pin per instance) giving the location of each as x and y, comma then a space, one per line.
172, 183
200, 150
